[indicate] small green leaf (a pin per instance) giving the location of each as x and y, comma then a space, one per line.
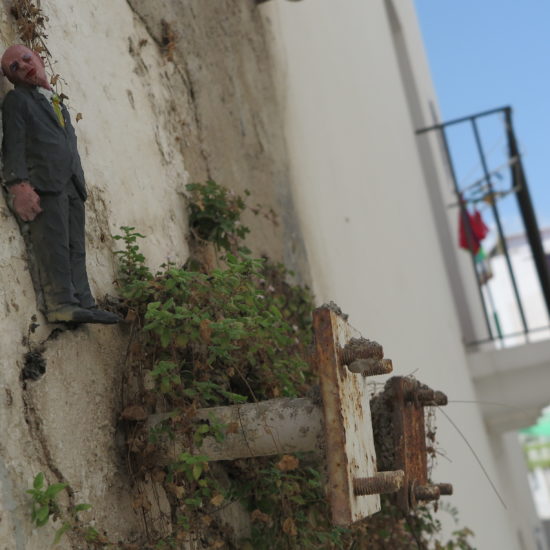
82, 507
54, 489
42, 515
235, 397
165, 385
182, 340
38, 481
197, 471
165, 338
91, 534
60, 532
194, 502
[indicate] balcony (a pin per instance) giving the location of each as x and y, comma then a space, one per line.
498, 266
490, 210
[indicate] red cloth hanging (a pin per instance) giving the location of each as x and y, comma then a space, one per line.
478, 230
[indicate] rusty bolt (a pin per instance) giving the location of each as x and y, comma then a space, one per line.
445, 488
382, 482
360, 348
427, 397
426, 492
371, 367
440, 399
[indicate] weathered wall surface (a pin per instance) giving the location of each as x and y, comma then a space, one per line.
149, 126
236, 134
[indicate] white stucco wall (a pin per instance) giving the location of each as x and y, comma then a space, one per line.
64, 424
149, 126
367, 217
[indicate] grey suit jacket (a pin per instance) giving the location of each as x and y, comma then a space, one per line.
35, 146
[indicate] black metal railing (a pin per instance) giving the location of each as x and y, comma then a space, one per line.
485, 189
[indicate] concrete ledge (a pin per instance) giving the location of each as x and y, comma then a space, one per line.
513, 384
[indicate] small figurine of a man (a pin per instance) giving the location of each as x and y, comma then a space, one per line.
46, 188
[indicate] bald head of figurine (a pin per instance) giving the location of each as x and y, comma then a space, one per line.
23, 66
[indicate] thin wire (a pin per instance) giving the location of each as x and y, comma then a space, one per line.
475, 456
510, 162
489, 403
489, 152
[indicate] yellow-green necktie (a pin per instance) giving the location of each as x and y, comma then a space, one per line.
57, 108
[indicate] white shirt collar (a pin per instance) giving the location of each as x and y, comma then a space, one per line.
48, 94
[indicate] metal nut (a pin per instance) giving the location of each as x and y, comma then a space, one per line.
427, 492
361, 348
427, 397
371, 367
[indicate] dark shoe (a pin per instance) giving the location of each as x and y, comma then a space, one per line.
70, 314
104, 317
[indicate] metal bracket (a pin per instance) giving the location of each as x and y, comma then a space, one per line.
406, 399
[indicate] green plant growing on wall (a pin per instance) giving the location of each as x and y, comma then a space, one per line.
215, 214
232, 334
45, 505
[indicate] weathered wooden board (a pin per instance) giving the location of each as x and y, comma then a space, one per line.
349, 440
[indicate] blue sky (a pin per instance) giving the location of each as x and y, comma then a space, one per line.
491, 53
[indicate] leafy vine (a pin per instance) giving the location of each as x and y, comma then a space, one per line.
216, 336
204, 337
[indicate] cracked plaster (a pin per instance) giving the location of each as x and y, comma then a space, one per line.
149, 126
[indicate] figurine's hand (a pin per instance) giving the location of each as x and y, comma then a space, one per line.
26, 201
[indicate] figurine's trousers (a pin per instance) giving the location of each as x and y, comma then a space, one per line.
57, 239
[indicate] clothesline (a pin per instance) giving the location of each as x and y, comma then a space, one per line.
510, 162
502, 140
482, 185
488, 198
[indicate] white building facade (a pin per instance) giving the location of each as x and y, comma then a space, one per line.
371, 194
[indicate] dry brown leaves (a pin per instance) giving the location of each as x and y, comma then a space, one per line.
288, 463
141, 501
216, 500
158, 475
134, 412
131, 316
258, 515
205, 331
232, 428
31, 23
177, 490
289, 527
